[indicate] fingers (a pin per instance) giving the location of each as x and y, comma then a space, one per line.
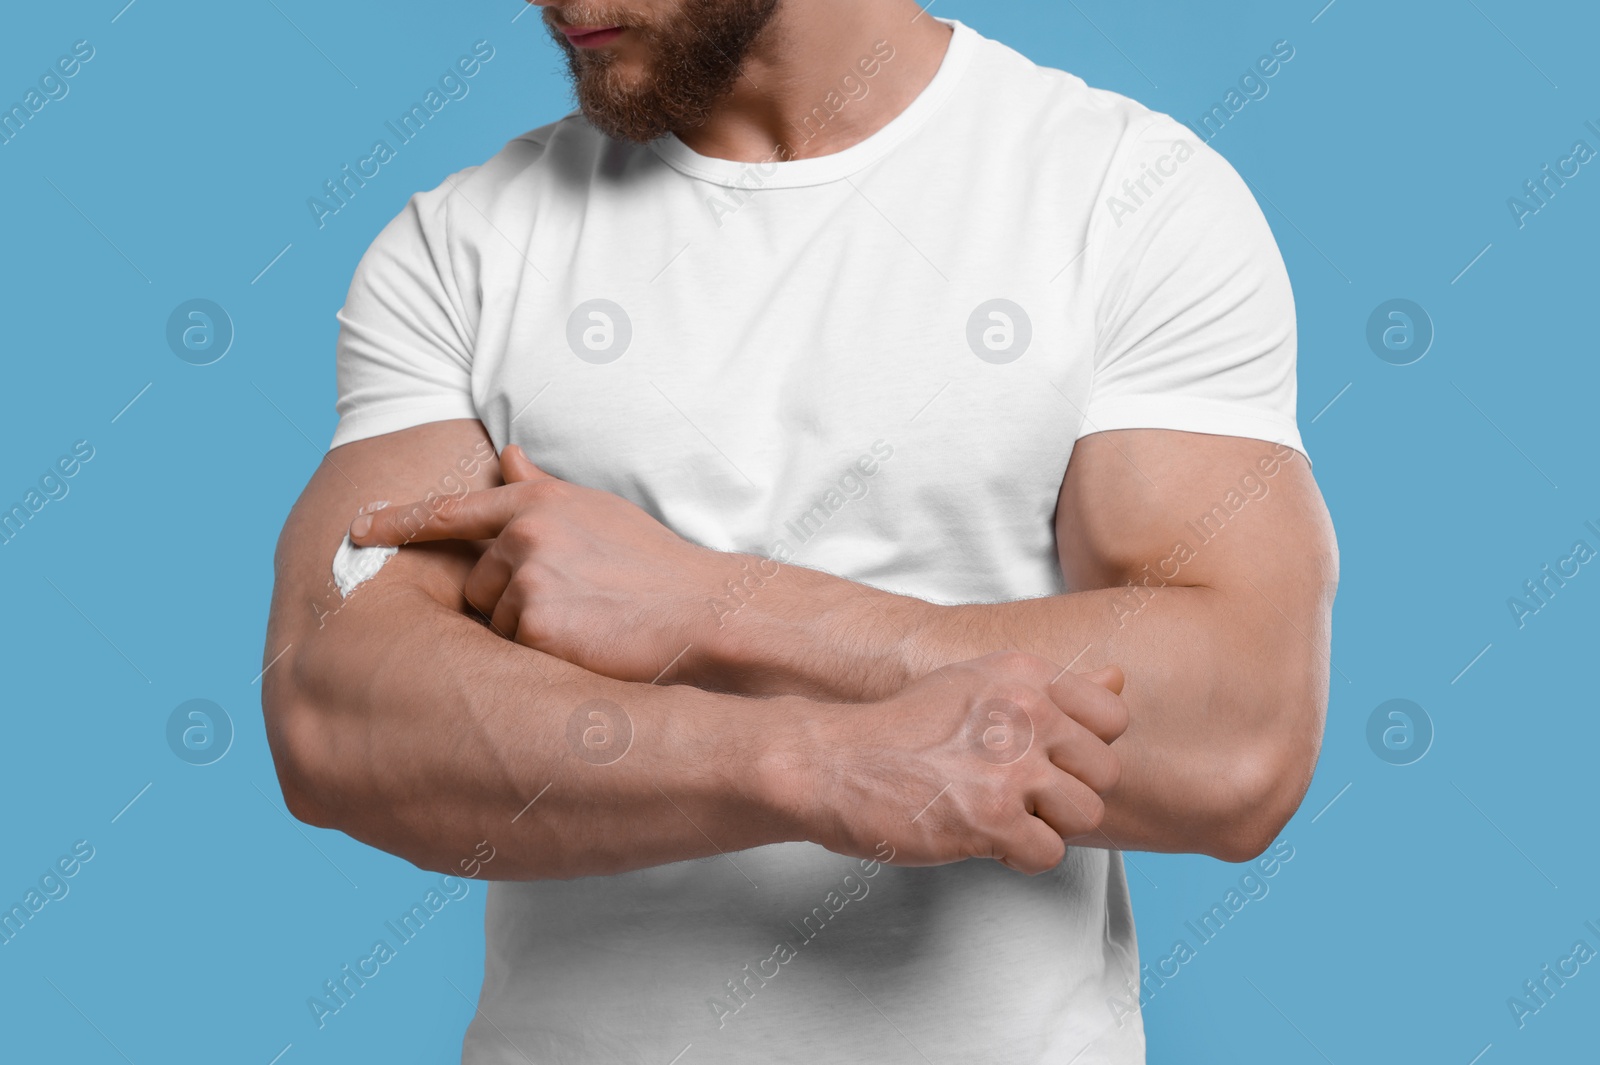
1108, 677
1032, 847
507, 618
1094, 703
513, 617
1069, 807
1093, 698
479, 515
1073, 749
475, 516
486, 584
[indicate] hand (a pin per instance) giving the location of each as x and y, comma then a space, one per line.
576, 572
1001, 757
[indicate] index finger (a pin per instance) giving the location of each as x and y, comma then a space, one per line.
479, 515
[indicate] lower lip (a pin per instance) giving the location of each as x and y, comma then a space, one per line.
597, 39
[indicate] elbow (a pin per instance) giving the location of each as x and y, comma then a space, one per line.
1264, 787
325, 771
294, 736
317, 747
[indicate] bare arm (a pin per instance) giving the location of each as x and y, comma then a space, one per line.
398, 718
1204, 566
1222, 627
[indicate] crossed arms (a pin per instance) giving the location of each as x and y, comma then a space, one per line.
1173, 701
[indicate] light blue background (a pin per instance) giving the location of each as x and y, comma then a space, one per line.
179, 167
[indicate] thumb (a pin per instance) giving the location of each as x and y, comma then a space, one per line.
1108, 677
515, 466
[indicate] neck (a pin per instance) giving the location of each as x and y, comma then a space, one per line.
825, 74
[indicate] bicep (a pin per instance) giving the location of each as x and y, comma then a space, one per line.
1164, 508
427, 464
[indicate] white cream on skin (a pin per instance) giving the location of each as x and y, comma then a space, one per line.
354, 565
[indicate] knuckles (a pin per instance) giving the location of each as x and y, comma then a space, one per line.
996, 801
443, 511
1030, 700
521, 532
543, 491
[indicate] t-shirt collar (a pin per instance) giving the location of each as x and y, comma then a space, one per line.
822, 169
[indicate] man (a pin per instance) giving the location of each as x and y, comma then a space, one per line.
799, 690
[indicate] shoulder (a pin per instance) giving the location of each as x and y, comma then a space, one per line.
1056, 112
1074, 135
556, 161
1148, 180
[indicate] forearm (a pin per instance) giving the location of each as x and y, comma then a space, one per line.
1225, 695
414, 728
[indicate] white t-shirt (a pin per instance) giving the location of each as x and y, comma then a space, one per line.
875, 363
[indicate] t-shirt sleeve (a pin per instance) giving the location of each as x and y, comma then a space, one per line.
1195, 318
404, 351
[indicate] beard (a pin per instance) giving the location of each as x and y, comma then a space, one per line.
695, 57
